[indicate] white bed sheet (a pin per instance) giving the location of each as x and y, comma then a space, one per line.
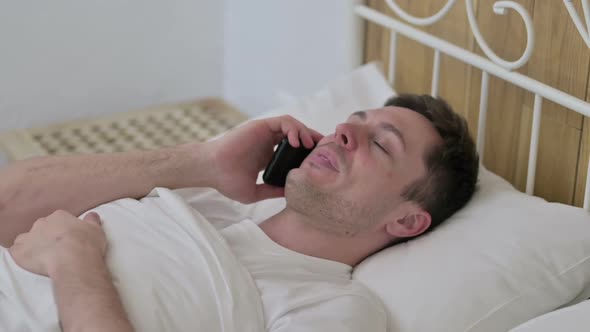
198, 283
571, 319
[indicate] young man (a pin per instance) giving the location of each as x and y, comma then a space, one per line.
384, 176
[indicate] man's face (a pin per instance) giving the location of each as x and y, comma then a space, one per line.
353, 180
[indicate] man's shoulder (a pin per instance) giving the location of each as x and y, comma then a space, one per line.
361, 295
357, 303
346, 311
364, 307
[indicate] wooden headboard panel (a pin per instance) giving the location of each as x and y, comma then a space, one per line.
560, 59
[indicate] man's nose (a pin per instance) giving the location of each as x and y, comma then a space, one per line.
345, 136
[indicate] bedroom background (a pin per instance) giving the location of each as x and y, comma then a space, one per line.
65, 59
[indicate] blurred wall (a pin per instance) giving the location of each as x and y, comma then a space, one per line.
294, 47
65, 59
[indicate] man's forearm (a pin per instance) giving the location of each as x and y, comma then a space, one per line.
34, 188
86, 298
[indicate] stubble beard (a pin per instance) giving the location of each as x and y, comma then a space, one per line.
328, 212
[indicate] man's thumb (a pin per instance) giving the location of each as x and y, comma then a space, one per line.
93, 217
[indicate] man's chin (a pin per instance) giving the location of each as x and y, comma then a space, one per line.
314, 174
307, 181
298, 177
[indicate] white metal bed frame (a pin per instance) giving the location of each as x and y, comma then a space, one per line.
495, 65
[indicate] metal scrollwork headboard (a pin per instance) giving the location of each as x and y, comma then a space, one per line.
492, 65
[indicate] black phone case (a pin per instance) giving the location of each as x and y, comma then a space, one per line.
284, 159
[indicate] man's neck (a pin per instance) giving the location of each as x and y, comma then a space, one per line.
290, 230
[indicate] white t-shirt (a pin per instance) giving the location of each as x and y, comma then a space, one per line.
300, 292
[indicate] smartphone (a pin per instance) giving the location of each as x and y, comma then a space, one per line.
284, 159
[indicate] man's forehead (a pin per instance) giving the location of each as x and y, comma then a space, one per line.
401, 117
392, 111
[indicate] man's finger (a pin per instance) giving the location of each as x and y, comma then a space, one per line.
38, 223
306, 139
20, 238
293, 136
93, 217
317, 136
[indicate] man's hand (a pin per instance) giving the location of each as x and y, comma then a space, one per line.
60, 238
71, 253
242, 153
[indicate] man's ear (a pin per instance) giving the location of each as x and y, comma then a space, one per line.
410, 225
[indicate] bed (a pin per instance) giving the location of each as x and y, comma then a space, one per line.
520, 250
504, 259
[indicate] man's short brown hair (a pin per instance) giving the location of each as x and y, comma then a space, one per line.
452, 166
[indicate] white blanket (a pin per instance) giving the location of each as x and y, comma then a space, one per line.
574, 318
173, 271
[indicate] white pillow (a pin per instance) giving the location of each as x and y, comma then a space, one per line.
504, 259
572, 319
362, 89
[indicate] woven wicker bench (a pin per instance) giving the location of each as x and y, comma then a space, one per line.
135, 130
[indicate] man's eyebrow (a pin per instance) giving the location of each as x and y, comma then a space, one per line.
385, 126
360, 114
393, 129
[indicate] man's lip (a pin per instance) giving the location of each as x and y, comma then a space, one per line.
324, 154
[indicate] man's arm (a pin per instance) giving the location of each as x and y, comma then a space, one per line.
33, 188
71, 253
86, 298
